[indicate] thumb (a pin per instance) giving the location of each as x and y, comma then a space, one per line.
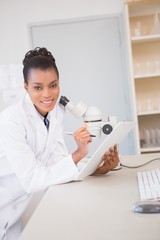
84, 124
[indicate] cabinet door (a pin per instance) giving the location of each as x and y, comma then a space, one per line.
89, 55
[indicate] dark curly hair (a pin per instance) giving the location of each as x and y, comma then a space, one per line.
39, 58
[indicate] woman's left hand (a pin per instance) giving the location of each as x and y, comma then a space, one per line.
110, 161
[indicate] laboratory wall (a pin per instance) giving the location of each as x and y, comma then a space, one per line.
15, 16
16, 19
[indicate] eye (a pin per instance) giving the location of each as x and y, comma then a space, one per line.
54, 85
37, 88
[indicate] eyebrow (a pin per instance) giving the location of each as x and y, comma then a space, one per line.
37, 83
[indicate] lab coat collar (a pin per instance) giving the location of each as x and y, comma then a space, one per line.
39, 124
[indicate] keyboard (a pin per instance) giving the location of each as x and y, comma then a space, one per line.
149, 184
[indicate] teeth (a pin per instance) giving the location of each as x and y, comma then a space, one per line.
47, 102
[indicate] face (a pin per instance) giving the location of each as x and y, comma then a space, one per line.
43, 89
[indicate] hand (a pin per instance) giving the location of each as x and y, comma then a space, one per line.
82, 138
110, 161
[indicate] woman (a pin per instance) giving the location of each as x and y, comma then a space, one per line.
33, 155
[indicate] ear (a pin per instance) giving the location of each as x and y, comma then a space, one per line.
26, 86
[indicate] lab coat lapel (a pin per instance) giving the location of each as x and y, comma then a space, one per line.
40, 125
32, 113
53, 121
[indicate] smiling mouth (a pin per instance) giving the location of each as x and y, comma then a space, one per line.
47, 101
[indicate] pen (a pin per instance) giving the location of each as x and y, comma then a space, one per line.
71, 133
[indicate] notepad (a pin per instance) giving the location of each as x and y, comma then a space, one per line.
119, 132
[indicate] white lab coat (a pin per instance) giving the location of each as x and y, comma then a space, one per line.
31, 159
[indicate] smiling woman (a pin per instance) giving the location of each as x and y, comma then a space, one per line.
43, 89
33, 154
41, 79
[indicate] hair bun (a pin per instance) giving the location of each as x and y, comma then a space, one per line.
38, 52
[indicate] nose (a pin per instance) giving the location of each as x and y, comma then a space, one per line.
47, 92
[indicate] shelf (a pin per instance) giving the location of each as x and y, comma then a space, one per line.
148, 113
152, 149
147, 75
133, 2
137, 2
147, 38
142, 8
144, 64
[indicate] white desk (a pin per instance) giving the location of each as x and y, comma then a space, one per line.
97, 208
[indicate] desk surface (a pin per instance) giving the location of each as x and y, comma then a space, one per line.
97, 208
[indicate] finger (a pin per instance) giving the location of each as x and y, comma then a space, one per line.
83, 139
107, 165
107, 162
106, 158
84, 125
114, 151
115, 146
116, 159
113, 158
85, 135
80, 130
90, 141
106, 154
82, 135
111, 153
111, 149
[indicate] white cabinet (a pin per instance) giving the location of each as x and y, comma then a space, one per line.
11, 84
142, 20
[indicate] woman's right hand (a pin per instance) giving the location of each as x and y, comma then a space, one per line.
82, 138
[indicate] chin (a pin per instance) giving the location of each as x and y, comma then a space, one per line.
49, 108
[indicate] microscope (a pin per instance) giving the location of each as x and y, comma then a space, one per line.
91, 115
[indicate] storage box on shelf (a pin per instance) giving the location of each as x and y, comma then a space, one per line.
143, 34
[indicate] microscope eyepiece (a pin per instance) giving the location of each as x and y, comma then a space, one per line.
63, 100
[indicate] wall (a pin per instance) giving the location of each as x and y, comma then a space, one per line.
89, 53
16, 15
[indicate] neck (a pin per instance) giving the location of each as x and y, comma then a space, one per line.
45, 116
